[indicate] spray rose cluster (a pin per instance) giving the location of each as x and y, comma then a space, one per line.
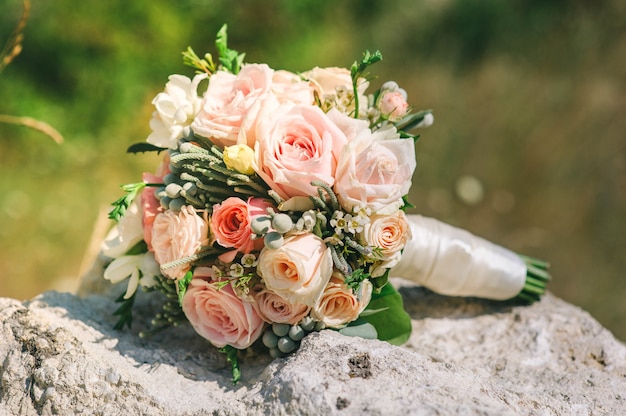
279, 199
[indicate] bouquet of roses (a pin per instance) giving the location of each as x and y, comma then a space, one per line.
279, 208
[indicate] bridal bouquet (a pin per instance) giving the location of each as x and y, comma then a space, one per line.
278, 209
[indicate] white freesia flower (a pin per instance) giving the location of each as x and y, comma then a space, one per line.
175, 109
141, 268
127, 233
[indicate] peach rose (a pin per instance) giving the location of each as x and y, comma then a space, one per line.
301, 146
220, 316
230, 223
232, 104
275, 308
176, 235
338, 306
299, 270
375, 171
390, 233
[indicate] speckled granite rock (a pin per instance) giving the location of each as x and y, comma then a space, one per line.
60, 355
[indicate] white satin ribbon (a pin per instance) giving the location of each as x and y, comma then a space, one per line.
454, 262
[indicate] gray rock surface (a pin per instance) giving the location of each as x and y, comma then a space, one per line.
60, 355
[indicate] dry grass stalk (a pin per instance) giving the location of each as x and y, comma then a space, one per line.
13, 46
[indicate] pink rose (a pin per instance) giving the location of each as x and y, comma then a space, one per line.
275, 308
289, 87
300, 146
232, 104
338, 306
150, 205
230, 223
375, 171
220, 316
299, 270
176, 235
393, 105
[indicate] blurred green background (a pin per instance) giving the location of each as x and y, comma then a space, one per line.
528, 147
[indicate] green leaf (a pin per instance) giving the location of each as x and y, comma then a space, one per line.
407, 204
139, 248
230, 59
182, 286
379, 282
412, 120
392, 324
125, 311
231, 357
144, 147
360, 328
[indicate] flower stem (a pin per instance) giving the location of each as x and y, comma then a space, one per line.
537, 278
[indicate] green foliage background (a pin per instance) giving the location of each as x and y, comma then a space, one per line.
528, 96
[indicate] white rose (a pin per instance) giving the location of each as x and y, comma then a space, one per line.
176, 108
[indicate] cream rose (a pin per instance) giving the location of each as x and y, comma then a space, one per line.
375, 171
175, 109
334, 88
299, 146
338, 306
299, 270
232, 104
390, 233
275, 308
327, 80
176, 235
220, 316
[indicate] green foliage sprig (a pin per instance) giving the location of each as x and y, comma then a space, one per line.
121, 205
357, 70
206, 64
230, 59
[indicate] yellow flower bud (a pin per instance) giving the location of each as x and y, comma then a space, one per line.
239, 157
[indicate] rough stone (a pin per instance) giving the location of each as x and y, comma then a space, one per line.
59, 354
